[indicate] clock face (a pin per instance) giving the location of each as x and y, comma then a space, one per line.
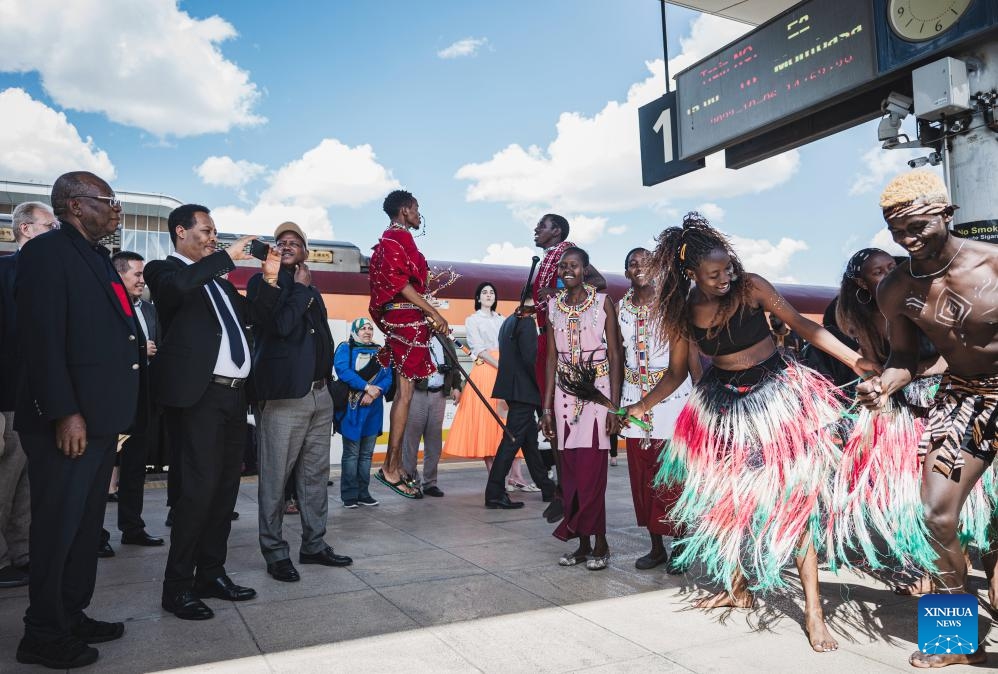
920, 20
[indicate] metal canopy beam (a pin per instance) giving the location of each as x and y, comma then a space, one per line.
751, 12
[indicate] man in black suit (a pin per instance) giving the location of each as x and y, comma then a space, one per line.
199, 376
80, 362
132, 457
517, 385
29, 219
292, 364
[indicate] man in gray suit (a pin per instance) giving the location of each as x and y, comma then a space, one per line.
132, 458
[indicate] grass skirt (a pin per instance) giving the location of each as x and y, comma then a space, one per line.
756, 450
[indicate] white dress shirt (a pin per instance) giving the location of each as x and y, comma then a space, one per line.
483, 332
224, 364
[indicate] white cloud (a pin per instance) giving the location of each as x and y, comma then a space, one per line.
143, 63
506, 253
616, 230
469, 46
880, 165
712, 212
883, 240
593, 165
38, 143
227, 172
332, 174
767, 259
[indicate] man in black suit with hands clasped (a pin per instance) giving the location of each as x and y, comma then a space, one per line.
199, 376
80, 361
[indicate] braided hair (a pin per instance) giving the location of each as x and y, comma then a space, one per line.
681, 250
856, 317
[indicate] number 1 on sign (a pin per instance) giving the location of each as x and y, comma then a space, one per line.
664, 124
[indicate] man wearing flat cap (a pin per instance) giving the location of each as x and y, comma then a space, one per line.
292, 362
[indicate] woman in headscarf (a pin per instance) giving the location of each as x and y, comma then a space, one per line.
360, 422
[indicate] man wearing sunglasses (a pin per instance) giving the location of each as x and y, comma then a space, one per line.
80, 362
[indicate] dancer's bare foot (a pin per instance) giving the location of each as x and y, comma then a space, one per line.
921, 586
821, 639
726, 599
990, 561
922, 660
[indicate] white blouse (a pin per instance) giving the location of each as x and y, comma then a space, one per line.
483, 332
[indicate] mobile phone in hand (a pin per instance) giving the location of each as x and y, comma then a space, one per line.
259, 249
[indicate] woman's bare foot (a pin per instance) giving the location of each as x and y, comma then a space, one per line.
821, 639
921, 586
922, 660
726, 599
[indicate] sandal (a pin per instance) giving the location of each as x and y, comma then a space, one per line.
598, 563
570, 559
395, 486
291, 508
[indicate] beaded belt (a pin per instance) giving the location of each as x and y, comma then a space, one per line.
602, 367
633, 376
391, 306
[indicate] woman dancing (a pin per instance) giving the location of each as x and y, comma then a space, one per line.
646, 359
755, 443
583, 330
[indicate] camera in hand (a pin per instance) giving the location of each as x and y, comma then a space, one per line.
444, 368
259, 249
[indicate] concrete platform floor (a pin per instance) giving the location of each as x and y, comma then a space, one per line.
445, 585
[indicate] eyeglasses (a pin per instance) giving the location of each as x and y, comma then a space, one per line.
48, 225
113, 202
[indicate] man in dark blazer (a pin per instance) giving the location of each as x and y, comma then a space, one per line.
140, 443
80, 362
30, 219
517, 385
199, 376
292, 364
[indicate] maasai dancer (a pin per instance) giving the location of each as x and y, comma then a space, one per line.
947, 290
584, 330
877, 482
755, 443
399, 274
646, 358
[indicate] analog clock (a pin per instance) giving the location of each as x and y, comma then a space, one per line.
921, 20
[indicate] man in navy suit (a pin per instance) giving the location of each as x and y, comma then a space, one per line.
79, 353
199, 376
29, 219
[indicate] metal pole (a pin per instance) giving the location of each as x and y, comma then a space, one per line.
665, 45
455, 364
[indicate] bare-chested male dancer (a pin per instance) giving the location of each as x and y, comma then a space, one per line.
948, 289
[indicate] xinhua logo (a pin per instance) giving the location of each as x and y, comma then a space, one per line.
947, 623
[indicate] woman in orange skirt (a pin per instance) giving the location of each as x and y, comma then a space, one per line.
474, 433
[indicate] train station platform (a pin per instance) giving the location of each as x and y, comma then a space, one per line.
444, 585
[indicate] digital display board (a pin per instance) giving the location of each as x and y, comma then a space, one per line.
796, 63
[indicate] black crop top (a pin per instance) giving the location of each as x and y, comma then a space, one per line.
745, 329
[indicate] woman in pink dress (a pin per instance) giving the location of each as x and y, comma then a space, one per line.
583, 328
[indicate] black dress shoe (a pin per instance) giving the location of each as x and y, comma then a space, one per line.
235, 516
104, 550
327, 558
284, 571
502, 503
92, 631
11, 576
63, 653
141, 538
112, 498
433, 491
555, 511
223, 588
186, 606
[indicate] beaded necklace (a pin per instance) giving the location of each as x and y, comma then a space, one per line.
641, 314
573, 317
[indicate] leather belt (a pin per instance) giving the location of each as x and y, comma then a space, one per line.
228, 382
318, 384
632, 376
392, 306
434, 389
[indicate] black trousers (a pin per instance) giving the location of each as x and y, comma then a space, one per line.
67, 511
522, 423
132, 478
210, 437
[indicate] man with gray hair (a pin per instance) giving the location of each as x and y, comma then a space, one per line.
29, 220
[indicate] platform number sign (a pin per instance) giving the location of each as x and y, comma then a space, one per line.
660, 142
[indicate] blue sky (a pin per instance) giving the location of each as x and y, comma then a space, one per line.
490, 113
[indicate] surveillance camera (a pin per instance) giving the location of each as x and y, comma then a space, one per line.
918, 162
897, 104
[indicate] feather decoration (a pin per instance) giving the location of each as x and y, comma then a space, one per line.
579, 381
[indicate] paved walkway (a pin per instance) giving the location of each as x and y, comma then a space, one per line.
445, 585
